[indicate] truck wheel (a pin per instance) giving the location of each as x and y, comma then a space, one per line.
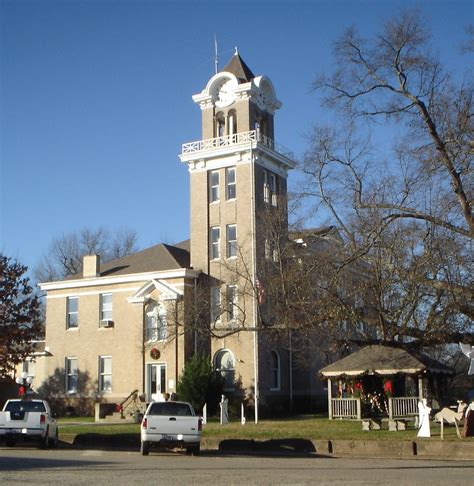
55, 441
194, 451
144, 448
44, 442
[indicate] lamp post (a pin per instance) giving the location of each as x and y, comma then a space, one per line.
24, 382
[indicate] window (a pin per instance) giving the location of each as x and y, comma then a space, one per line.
232, 122
71, 375
231, 240
215, 304
225, 365
214, 186
269, 187
72, 316
29, 368
220, 125
156, 325
275, 370
232, 303
215, 243
230, 183
105, 307
105, 374
271, 250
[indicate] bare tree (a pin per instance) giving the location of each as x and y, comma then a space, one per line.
65, 253
408, 220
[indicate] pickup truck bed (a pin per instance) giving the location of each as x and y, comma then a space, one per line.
171, 425
28, 420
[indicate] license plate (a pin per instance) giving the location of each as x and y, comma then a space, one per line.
169, 437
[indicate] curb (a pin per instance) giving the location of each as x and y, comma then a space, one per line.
293, 447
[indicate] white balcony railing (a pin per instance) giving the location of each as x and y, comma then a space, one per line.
236, 139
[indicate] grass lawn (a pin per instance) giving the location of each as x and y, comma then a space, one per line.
303, 427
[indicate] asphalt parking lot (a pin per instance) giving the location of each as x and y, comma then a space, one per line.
68, 466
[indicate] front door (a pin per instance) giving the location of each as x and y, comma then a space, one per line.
156, 380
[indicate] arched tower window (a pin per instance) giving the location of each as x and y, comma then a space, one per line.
275, 371
220, 125
225, 364
232, 122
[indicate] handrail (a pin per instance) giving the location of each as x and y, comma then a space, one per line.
132, 397
235, 139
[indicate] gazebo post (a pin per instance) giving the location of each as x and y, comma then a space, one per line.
420, 387
330, 398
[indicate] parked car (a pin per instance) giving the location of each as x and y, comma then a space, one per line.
25, 420
171, 425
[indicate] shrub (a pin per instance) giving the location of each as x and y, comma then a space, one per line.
200, 384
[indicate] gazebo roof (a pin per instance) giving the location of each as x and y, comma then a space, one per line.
383, 360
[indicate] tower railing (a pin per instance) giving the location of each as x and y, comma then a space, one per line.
236, 139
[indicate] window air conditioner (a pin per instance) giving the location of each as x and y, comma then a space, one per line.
106, 323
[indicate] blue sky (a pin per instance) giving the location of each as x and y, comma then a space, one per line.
95, 100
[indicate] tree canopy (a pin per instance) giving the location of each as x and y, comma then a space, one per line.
394, 173
20, 322
65, 253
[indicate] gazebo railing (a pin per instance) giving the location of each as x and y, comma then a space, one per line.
399, 407
345, 408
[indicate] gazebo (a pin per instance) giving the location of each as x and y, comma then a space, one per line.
389, 379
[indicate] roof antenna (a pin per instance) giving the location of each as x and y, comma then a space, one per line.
216, 57
236, 53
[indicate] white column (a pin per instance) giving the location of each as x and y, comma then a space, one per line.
330, 398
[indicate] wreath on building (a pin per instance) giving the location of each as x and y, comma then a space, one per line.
155, 353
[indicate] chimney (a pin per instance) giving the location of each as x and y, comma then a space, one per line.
91, 266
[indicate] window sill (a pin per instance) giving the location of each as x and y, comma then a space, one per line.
72, 329
232, 258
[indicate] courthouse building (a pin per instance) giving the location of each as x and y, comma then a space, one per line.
131, 324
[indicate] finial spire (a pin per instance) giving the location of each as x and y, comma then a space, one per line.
216, 57
236, 53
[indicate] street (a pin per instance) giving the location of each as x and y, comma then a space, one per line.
65, 466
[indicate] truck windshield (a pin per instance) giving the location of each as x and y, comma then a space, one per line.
171, 408
25, 407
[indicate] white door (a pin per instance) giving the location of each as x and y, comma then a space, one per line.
156, 379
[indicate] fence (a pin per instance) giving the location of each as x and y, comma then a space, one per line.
345, 408
402, 407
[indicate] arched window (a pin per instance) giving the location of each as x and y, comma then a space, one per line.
232, 122
156, 326
225, 365
275, 371
220, 125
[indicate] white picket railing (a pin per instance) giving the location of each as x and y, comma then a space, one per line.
345, 408
402, 407
236, 139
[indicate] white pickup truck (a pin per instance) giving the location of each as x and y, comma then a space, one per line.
28, 420
170, 425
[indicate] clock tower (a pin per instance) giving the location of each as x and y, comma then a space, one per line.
237, 173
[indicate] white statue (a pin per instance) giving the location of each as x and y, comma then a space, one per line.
224, 404
424, 419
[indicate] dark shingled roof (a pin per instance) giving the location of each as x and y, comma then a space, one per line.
383, 359
238, 67
154, 259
